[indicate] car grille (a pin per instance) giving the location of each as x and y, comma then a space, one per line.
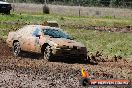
75, 47
65, 47
70, 50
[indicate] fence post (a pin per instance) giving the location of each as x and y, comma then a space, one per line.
45, 2
13, 7
79, 11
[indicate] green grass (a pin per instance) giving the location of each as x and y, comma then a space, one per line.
111, 43
67, 20
119, 44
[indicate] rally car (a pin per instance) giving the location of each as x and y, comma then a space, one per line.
49, 41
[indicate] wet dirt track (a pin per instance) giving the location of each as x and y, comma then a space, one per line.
31, 71
121, 29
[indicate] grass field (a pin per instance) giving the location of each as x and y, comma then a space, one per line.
119, 44
111, 43
74, 10
68, 20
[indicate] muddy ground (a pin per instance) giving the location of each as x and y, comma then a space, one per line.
122, 29
30, 71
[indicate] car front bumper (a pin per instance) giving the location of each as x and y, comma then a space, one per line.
69, 53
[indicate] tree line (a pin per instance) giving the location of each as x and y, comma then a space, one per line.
105, 3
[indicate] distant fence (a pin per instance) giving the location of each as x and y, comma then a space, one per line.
89, 3
74, 10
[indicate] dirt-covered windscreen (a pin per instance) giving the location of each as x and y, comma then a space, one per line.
56, 33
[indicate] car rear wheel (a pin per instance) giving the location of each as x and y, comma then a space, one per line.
16, 49
48, 53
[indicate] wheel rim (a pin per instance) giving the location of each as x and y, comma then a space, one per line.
47, 53
16, 49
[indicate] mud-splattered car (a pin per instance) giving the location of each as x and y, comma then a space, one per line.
50, 41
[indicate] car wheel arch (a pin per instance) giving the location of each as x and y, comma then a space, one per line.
43, 47
16, 48
14, 42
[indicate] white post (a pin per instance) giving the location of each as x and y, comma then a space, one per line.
45, 2
79, 9
13, 7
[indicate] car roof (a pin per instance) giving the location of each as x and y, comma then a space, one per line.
1, 2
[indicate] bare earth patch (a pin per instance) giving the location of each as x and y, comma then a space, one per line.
125, 29
28, 72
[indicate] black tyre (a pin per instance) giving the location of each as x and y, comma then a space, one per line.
87, 59
16, 49
48, 53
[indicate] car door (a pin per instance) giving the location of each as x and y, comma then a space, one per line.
33, 40
30, 41
24, 38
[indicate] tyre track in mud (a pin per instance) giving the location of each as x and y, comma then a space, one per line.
122, 29
33, 71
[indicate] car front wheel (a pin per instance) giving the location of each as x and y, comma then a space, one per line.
16, 49
48, 53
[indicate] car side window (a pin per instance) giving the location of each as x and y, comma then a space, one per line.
36, 31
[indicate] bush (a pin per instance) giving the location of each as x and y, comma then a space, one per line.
46, 9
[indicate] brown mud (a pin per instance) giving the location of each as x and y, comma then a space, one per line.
122, 29
31, 71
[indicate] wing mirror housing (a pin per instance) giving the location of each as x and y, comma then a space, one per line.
38, 36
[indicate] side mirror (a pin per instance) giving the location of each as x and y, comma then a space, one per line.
38, 36
73, 38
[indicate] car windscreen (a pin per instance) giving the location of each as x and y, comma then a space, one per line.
56, 33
